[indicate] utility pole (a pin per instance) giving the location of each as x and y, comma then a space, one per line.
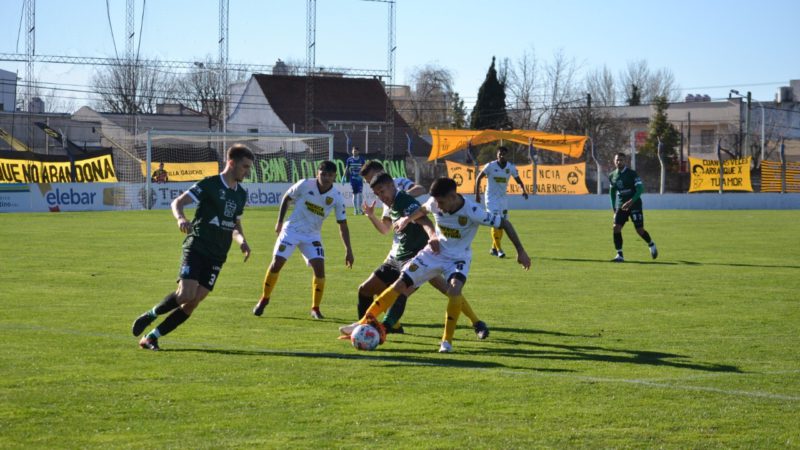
747, 126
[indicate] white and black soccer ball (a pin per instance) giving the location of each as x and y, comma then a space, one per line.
365, 337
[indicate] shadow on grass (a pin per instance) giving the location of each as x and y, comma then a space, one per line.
400, 356
675, 263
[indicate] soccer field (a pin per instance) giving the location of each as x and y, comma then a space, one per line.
697, 349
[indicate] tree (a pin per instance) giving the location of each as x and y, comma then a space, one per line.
202, 89
132, 88
601, 85
522, 86
659, 127
490, 108
606, 131
431, 98
649, 84
635, 97
459, 113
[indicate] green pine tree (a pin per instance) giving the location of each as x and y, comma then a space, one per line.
490, 108
660, 127
635, 98
459, 113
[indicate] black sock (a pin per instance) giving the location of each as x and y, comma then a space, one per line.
394, 313
364, 303
169, 303
172, 321
646, 237
618, 242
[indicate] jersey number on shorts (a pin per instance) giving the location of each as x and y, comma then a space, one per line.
212, 279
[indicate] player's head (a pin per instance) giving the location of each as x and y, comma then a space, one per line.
697, 170
383, 186
161, 165
443, 190
326, 174
240, 161
619, 160
355, 151
502, 153
369, 170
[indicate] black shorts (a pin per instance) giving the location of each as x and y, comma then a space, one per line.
388, 272
200, 268
635, 213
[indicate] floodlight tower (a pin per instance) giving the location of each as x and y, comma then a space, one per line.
224, 7
30, 49
390, 80
311, 44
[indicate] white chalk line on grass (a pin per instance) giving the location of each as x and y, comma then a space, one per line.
534, 373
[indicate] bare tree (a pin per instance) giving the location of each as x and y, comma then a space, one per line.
650, 85
601, 85
560, 89
202, 89
132, 88
522, 85
431, 97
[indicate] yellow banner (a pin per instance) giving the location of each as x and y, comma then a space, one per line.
446, 142
771, 176
191, 171
567, 179
705, 175
94, 169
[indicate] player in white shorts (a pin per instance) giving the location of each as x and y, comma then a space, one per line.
497, 174
314, 199
449, 254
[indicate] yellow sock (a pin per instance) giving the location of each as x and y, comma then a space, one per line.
270, 280
317, 288
467, 310
497, 236
382, 303
451, 318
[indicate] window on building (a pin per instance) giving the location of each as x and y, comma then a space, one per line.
707, 137
252, 130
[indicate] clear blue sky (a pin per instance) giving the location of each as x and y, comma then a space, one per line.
711, 46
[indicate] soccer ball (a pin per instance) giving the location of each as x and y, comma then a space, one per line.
365, 337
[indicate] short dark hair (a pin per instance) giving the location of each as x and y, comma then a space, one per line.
370, 166
382, 178
503, 149
237, 152
327, 167
443, 186
621, 154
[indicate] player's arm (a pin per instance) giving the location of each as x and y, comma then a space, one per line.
282, 212
636, 196
416, 190
177, 206
613, 192
383, 224
478, 186
522, 255
430, 230
344, 232
238, 236
521, 185
403, 222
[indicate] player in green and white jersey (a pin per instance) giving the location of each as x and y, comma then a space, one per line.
406, 244
449, 254
217, 222
625, 188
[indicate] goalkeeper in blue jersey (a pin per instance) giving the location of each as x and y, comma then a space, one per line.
352, 169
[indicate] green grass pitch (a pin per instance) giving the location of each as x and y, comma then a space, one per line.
698, 349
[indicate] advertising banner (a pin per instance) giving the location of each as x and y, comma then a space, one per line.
189, 171
567, 179
28, 167
705, 175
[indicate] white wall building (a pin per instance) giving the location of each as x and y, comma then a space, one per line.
8, 90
